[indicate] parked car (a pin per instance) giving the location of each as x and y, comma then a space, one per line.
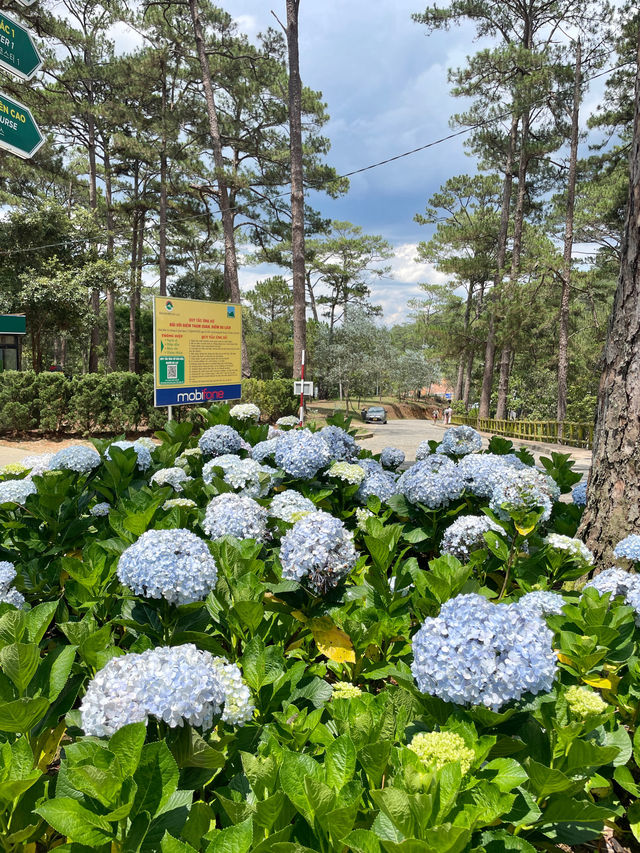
374, 414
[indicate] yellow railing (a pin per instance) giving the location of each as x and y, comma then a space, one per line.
573, 434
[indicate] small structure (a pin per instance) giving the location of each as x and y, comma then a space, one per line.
13, 328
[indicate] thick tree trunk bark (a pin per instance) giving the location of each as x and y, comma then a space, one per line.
563, 324
518, 226
457, 395
226, 214
467, 380
132, 290
312, 298
297, 189
490, 346
613, 496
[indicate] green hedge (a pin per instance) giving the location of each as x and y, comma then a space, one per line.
114, 403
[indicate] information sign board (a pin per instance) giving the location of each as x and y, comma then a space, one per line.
197, 351
18, 131
18, 54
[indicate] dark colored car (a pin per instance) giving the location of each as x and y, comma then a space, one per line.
374, 414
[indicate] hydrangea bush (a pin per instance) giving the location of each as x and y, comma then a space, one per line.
303, 649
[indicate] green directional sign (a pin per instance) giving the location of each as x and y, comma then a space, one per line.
26, 2
18, 131
18, 53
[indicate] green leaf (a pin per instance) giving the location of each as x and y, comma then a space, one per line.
547, 780
234, 839
374, 759
156, 778
170, 844
501, 841
53, 672
320, 797
569, 810
294, 768
126, 744
633, 816
249, 614
583, 754
71, 819
506, 773
19, 661
37, 620
362, 841
340, 762
22, 714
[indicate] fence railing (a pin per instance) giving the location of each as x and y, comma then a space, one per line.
573, 433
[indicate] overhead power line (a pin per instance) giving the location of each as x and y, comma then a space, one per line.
464, 130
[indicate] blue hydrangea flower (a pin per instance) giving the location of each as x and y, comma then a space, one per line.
423, 450
100, 509
481, 472
629, 548
478, 653
290, 506
525, 489
76, 458
172, 564
392, 457
302, 453
617, 582
9, 595
342, 446
16, 491
434, 482
466, 534
460, 441
220, 439
174, 477
142, 452
579, 493
264, 449
319, 551
247, 475
177, 684
235, 515
542, 602
377, 483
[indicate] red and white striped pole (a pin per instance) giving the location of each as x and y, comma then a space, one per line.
301, 415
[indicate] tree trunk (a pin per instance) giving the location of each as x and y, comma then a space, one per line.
312, 298
518, 226
457, 394
490, 346
613, 496
133, 284
297, 189
226, 214
162, 224
94, 340
111, 297
563, 330
467, 380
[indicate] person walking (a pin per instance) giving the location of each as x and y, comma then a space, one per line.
435, 415
447, 414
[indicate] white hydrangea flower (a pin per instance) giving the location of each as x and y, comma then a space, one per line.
466, 534
353, 474
179, 502
172, 564
248, 476
577, 549
174, 477
362, 514
291, 506
177, 684
190, 454
145, 441
37, 464
245, 412
288, 421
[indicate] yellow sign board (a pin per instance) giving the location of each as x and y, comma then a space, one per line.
197, 351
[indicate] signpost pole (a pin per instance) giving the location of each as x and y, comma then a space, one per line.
169, 413
301, 415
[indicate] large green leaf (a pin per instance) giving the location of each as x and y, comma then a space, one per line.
22, 714
126, 744
79, 824
340, 762
234, 839
156, 778
19, 661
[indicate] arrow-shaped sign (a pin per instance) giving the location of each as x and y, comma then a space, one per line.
18, 53
26, 2
18, 131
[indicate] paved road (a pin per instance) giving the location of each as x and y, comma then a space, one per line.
407, 435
